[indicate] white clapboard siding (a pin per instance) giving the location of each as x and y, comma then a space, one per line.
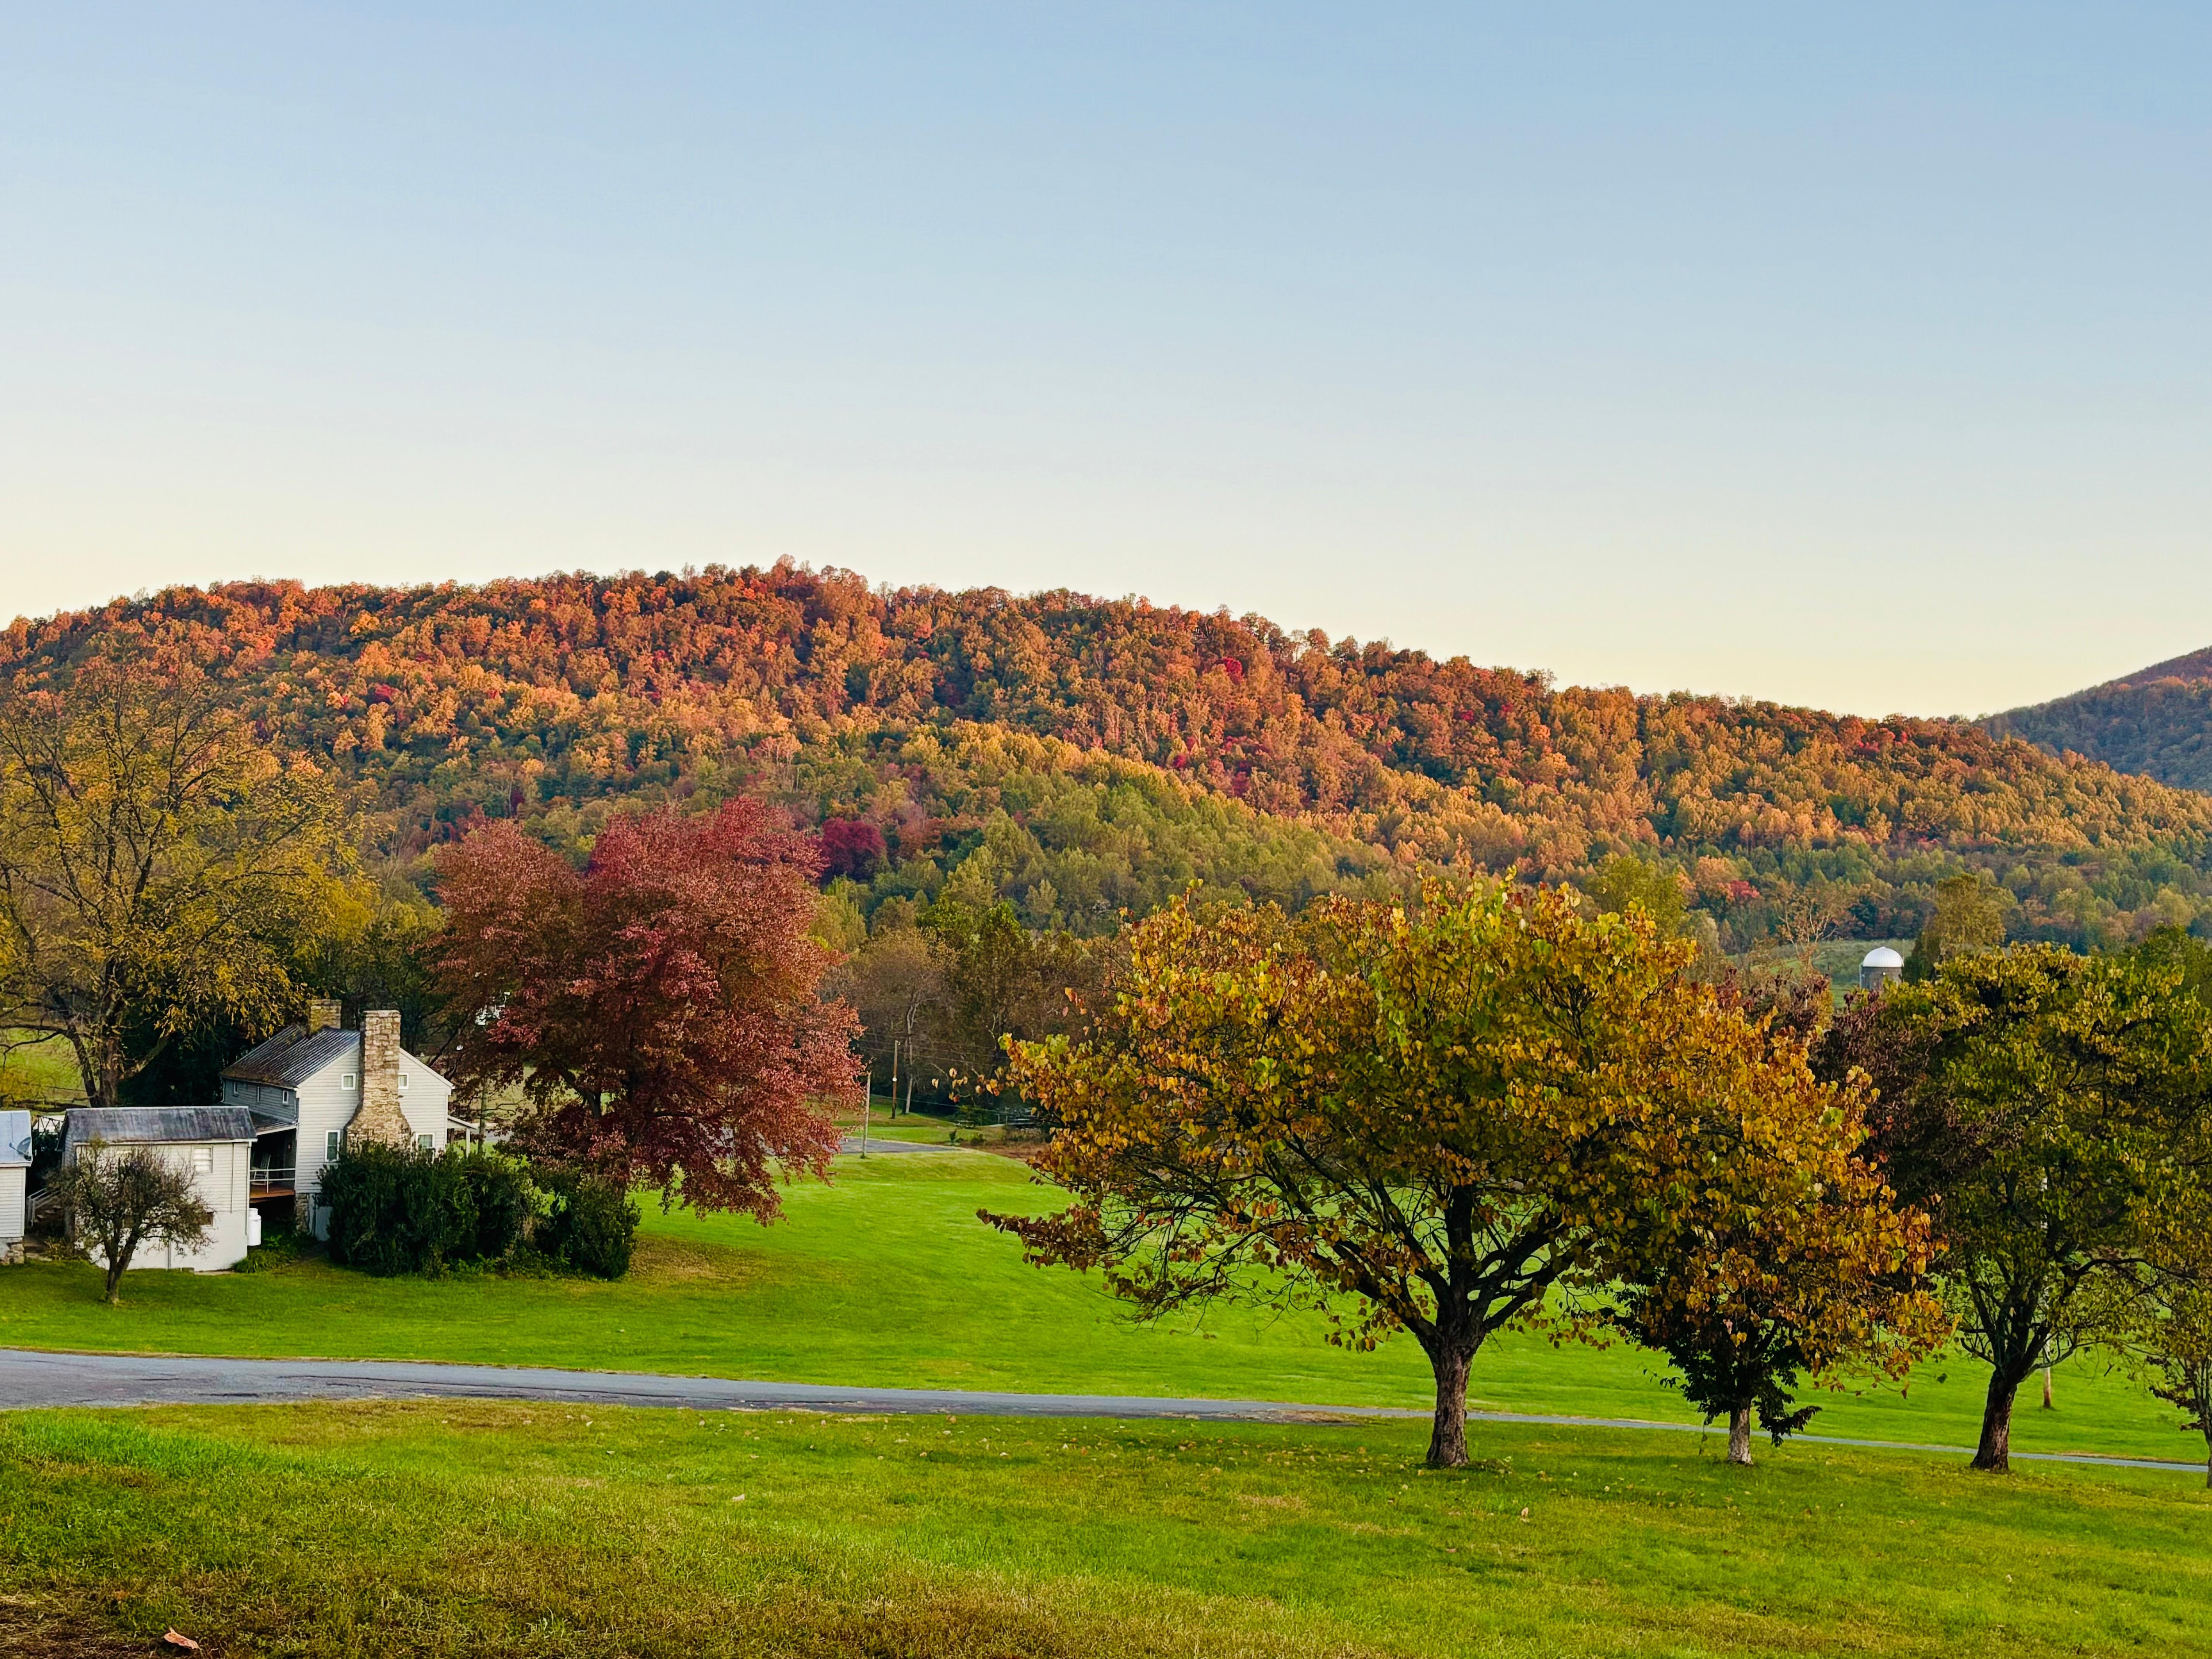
426, 1100
326, 1106
223, 1187
12, 1179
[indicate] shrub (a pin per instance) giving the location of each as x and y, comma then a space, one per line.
502, 1198
397, 1210
280, 1248
590, 1224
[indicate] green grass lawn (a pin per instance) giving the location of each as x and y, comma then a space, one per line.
453, 1527
886, 1278
44, 1071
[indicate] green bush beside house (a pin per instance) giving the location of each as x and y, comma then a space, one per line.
401, 1209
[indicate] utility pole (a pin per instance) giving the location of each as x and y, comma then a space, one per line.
867, 1110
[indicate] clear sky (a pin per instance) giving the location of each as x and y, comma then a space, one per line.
1859, 356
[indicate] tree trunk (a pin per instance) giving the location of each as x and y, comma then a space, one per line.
1448, 1440
116, 1264
1994, 1452
2046, 1389
1740, 1437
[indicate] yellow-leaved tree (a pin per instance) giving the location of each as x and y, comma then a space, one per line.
1440, 1117
160, 868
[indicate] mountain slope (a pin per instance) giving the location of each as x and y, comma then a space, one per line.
1081, 756
2157, 721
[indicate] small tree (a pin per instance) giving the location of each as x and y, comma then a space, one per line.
1428, 1118
896, 981
1663, 891
2051, 1112
1833, 1286
2177, 1350
114, 1198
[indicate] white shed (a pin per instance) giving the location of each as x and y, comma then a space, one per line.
15, 1174
215, 1143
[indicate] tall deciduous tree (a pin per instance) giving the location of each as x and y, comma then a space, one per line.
2050, 1111
1426, 1119
660, 1008
160, 869
1969, 916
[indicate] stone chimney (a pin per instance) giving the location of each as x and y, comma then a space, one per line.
380, 1118
324, 1014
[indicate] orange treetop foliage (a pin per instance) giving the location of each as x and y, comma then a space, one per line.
539, 698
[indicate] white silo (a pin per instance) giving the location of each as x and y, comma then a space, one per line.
1879, 967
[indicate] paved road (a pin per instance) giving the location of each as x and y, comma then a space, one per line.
29, 1378
876, 1144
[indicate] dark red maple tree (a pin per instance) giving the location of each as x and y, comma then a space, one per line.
660, 1008
851, 846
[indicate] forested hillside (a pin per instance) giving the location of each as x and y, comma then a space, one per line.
1081, 756
2157, 721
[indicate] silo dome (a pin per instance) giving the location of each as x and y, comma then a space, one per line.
1879, 967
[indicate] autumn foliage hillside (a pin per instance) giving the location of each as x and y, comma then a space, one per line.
1082, 756
2157, 721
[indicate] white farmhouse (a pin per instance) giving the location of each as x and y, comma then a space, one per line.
315, 1088
15, 1172
289, 1106
215, 1143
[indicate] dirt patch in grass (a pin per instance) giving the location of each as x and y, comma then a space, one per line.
660, 1259
48, 1627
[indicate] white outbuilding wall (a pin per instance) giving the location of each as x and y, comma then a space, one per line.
221, 1173
13, 1180
14, 1177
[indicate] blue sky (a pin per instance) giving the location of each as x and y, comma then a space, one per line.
1856, 356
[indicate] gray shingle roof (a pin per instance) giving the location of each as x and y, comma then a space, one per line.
291, 1057
134, 1125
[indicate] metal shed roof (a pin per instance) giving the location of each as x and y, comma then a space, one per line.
137, 1125
292, 1056
266, 1051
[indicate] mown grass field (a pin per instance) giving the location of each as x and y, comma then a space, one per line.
454, 1528
885, 1278
44, 1071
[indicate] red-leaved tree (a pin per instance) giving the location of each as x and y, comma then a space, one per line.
660, 1008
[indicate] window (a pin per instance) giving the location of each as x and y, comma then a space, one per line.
331, 1145
423, 1141
346, 1083
402, 1083
203, 1160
